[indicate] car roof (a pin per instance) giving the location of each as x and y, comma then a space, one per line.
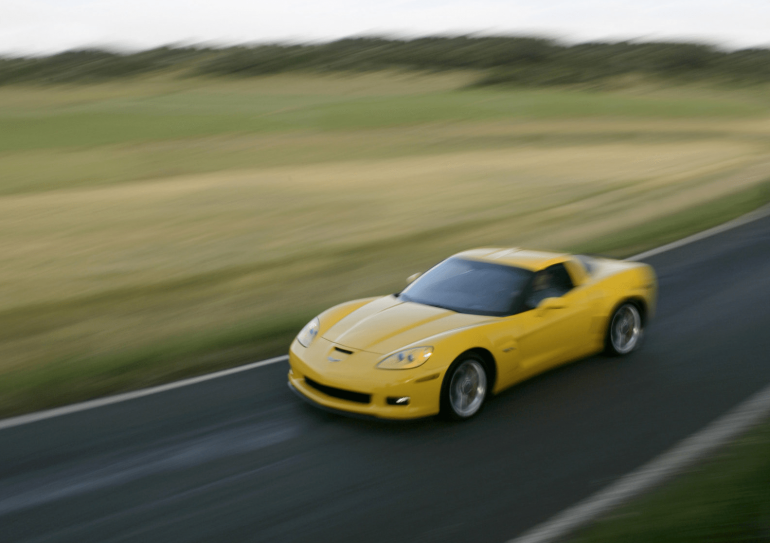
513, 256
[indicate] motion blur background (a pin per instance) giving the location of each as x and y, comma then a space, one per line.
183, 185
170, 209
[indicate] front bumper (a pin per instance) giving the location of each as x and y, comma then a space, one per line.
357, 373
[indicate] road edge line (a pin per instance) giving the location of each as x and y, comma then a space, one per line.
686, 452
109, 400
724, 227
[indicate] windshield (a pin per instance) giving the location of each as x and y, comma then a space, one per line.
469, 286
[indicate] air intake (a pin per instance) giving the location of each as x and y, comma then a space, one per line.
340, 393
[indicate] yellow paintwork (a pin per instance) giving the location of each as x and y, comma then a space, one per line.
521, 345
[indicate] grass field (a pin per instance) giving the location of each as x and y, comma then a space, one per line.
157, 228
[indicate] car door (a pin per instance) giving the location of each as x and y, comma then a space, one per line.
555, 324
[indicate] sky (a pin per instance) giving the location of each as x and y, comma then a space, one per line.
47, 26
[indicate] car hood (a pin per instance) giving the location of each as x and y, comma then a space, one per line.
388, 324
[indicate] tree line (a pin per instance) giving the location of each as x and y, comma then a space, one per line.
500, 60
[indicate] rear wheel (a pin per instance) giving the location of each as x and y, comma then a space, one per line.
625, 330
465, 387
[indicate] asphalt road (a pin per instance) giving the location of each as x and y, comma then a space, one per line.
240, 458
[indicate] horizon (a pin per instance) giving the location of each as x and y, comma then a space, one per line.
122, 50
44, 27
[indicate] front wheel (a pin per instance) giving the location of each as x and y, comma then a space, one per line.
465, 388
625, 330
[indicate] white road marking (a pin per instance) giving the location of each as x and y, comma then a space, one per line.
740, 221
695, 447
109, 400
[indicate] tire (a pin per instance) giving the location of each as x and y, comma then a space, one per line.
465, 387
625, 330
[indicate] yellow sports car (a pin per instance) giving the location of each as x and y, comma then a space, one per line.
476, 323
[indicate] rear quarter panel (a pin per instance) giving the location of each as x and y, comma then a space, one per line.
618, 281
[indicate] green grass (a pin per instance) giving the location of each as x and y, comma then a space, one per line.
68, 380
196, 113
690, 221
724, 500
160, 228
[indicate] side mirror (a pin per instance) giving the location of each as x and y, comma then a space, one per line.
412, 278
549, 304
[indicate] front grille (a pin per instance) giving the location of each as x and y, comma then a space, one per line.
351, 396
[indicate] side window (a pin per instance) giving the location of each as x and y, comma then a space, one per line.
552, 282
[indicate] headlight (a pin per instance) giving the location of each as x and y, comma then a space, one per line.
309, 332
410, 358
